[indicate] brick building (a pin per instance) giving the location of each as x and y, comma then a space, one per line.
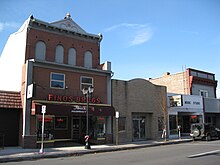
142, 109
55, 62
193, 109
190, 82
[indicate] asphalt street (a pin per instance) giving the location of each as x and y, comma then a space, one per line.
196, 153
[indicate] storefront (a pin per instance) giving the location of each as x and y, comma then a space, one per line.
142, 109
183, 111
67, 121
212, 111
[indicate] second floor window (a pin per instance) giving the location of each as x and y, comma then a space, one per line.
40, 50
72, 56
88, 59
59, 54
86, 82
203, 93
57, 80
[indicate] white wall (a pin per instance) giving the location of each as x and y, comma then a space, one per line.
12, 59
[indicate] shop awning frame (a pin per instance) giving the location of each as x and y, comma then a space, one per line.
94, 109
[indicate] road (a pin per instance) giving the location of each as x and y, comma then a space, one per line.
195, 153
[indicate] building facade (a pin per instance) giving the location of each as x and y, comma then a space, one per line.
191, 82
57, 61
10, 118
212, 111
184, 110
142, 110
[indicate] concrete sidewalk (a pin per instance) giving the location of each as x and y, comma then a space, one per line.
11, 154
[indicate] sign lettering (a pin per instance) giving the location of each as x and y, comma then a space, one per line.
77, 99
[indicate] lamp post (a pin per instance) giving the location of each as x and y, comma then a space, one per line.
87, 92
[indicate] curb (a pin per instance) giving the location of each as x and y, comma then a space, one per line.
36, 156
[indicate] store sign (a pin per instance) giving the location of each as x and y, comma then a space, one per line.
186, 101
192, 101
176, 101
30, 89
77, 99
79, 109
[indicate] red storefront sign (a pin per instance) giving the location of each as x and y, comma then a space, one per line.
77, 99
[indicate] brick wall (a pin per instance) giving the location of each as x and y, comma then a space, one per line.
138, 97
175, 83
52, 39
41, 77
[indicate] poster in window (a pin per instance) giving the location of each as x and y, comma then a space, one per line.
61, 123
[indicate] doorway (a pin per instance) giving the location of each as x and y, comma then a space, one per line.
75, 128
78, 128
139, 128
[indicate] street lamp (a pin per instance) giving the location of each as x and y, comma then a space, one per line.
87, 91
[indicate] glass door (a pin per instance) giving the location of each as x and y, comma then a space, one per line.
75, 128
139, 128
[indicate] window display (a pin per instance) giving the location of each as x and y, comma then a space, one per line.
99, 127
48, 127
61, 123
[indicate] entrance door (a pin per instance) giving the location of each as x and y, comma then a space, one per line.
139, 128
184, 122
75, 128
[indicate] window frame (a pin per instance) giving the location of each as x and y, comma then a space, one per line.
72, 56
40, 50
86, 84
57, 80
88, 59
55, 122
59, 54
204, 92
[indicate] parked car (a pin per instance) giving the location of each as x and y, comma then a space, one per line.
204, 131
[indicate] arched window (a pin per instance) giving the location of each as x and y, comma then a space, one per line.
40, 50
72, 56
59, 54
88, 59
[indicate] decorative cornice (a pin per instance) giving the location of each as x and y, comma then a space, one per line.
38, 24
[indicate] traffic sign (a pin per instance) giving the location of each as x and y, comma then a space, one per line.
43, 110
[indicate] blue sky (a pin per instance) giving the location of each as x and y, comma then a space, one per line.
142, 38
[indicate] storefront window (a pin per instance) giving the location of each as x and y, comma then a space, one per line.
61, 123
99, 127
48, 127
173, 124
195, 119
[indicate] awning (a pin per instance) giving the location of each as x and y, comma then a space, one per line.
72, 108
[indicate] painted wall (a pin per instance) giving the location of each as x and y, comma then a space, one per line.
12, 60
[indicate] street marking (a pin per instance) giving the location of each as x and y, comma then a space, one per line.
204, 154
